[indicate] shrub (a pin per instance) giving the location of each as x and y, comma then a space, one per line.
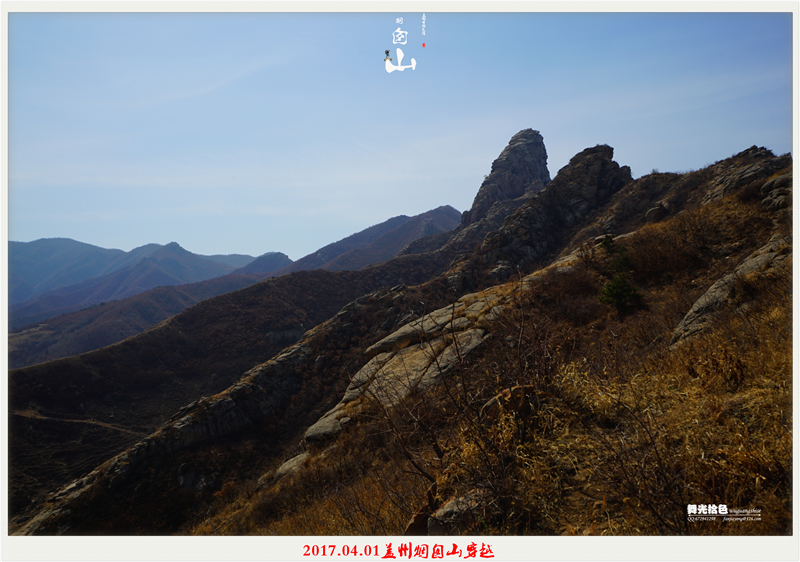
620, 293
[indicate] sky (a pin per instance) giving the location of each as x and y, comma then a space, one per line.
256, 132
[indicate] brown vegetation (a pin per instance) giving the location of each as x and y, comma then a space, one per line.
620, 433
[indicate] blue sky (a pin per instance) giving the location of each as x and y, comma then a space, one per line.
249, 133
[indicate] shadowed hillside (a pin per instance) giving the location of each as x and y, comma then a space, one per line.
438, 221
375, 244
107, 323
138, 383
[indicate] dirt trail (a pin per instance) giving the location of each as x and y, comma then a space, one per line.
38, 416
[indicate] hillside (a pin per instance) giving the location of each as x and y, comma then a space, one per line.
320, 257
377, 243
136, 384
167, 265
437, 221
543, 384
108, 323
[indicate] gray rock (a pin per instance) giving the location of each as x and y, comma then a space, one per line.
782, 181
459, 515
288, 467
778, 193
430, 325
520, 169
655, 214
702, 313
326, 427
734, 176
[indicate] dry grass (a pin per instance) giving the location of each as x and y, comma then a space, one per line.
708, 424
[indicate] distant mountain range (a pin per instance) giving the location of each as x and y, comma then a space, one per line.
141, 288
50, 263
60, 275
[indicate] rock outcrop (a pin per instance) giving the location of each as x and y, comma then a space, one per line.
727, 293
777, 192
732, 176
414, 357
533, 230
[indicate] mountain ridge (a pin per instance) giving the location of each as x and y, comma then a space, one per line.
50, 263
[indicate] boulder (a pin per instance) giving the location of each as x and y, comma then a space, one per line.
656, 214
460, 515
291, 465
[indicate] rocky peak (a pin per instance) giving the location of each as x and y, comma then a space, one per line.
593, 169
530, 232
522, 162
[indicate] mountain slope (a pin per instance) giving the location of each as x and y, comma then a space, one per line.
266, 263
387, 245
104, 324
375, 244
331, 251
137, 383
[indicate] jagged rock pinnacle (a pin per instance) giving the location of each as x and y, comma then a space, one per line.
522, 164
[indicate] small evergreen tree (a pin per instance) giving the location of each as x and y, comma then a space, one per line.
620, 293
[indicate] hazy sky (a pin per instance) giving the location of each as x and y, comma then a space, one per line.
253, 132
